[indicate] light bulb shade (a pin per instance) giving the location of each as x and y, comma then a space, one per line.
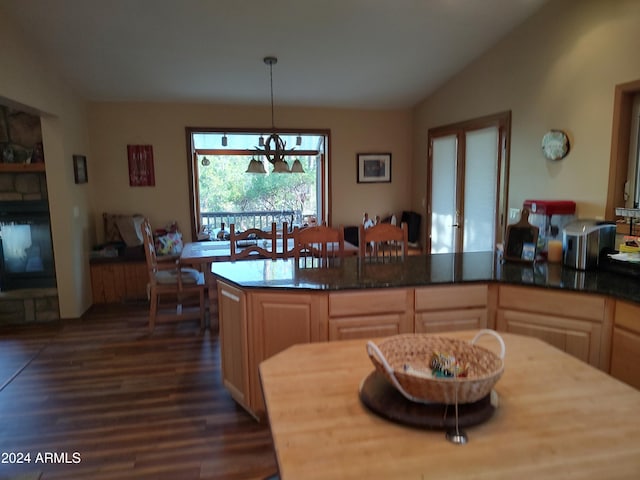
298, 140
255, 166
261, 141
224, 140
280, 166
297, 167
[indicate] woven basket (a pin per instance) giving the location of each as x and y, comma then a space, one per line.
392, 356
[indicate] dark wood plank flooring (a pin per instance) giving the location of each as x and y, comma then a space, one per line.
122, 403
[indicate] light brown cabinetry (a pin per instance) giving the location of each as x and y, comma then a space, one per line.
625, 351
276, 322
256, 325
234, 351
451, 307
579, 324
114, 282
370, 313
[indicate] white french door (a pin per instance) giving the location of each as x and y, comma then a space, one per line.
467, 189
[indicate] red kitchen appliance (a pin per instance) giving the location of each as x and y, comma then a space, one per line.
550, 216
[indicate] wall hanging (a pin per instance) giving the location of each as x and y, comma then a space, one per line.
374, 167
141, 172
80, 169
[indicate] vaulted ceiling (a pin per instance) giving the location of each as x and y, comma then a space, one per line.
346, 53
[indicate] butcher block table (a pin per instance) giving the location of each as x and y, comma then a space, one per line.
556, 418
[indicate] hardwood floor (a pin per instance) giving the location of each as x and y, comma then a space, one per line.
115, 402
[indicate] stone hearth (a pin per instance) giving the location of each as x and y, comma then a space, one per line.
29, 305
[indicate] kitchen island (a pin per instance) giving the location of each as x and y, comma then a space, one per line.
266, 306
556, 418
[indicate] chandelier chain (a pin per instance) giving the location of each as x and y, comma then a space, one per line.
273, 125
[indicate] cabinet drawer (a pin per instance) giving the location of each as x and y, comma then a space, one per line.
372, 301
371, 326
561, 304
448, 297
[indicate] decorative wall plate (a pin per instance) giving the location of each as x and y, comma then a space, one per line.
555, 145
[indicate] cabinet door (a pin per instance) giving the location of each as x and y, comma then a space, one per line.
449, 320
580, 338
625, 350
233, 342
136, 278
277, 321
118, 282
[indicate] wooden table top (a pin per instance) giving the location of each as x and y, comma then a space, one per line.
220, 251
557, 418
203, 252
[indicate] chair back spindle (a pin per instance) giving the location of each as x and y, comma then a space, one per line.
326, 244
384, 240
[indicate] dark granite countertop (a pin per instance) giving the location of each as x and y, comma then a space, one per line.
424, 270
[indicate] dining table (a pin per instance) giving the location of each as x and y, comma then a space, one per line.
201, 255
553, 417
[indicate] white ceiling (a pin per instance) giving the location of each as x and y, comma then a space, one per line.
347, 53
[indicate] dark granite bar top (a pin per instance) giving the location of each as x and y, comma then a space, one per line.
353, 273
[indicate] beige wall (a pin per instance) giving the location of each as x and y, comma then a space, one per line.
557, 71
27, 81
114, 125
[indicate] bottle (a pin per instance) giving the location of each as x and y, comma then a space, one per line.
221, 232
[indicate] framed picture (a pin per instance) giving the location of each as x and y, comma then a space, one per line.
141, 173
374, 167
80, 169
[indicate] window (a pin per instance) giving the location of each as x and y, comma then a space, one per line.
467, 172
222, 192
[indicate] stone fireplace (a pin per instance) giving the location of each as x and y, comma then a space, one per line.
28, 290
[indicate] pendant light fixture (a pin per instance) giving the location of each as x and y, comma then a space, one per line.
297, 166
255, 166
274, 148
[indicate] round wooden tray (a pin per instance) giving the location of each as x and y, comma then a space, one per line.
382, 398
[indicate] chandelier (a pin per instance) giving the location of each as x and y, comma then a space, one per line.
274, 149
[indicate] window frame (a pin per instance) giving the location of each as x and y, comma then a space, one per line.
324, 207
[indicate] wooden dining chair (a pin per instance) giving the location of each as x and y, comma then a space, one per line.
253, 243
287, 237
169, 280
384, 240
320, 242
